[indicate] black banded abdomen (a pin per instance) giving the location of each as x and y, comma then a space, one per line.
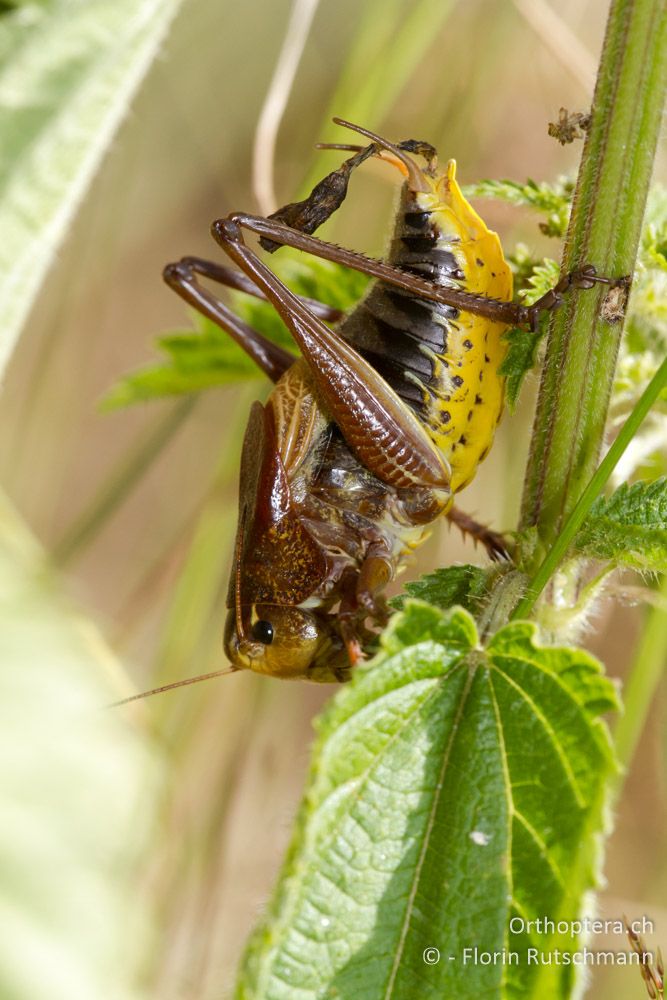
400, 334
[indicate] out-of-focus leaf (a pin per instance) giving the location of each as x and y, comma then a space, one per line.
208, 357
629, 527
451, 789
78, 796
197, 362
520, 359
68, 71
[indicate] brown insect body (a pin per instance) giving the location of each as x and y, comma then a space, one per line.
365, 438
320, 531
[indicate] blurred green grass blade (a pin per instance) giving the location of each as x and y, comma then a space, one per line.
68, 71
203, 577
388, 46
452, 788
78, 792
639, 693
122, 479
204, 573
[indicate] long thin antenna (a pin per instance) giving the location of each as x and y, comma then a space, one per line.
339, 145
237, 578
175, 684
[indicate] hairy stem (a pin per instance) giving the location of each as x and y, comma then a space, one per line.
604, 230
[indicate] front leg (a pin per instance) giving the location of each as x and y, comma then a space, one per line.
362, 597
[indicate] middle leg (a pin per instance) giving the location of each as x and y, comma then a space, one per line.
269, 357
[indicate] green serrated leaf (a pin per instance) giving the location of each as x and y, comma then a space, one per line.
653, 247
451, 788
160, 381
551, 200
338, 286
208, 357
68, 71
520, 359
629, 527
534, 280
462, 585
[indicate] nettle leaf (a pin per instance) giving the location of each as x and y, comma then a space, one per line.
629, 527
206, 356
338, 286
653, 247
451, 789
542, 278
197, 362
534, 280
463, 585
551, 200
520, 359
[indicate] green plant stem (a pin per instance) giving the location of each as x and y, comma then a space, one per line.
645, 674
604, 230
113, 492
594, 488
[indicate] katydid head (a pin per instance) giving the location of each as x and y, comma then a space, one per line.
287, 642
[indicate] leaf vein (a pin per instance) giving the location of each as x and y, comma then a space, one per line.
548, 729
427, 837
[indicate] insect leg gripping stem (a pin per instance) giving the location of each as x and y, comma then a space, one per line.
581, 278
511, 313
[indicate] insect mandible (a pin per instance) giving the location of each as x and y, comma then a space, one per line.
367, 437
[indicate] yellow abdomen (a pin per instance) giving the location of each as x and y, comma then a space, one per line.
466, 406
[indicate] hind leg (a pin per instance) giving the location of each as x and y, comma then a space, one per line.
494, 543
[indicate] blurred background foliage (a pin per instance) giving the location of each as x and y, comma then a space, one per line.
138, 507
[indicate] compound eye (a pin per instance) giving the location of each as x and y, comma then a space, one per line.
262, 631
